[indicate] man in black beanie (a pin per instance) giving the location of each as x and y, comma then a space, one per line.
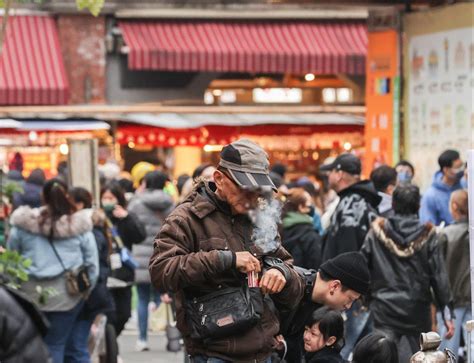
337, 284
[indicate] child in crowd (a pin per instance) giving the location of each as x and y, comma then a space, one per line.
324, 337
375, 348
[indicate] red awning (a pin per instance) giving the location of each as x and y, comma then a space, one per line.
257, 47
31, 64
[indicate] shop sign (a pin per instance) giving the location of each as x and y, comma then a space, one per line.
382, 100
277, 95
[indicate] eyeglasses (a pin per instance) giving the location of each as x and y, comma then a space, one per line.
249, 193
229, 177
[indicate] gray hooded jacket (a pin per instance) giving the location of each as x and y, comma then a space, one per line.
151, 207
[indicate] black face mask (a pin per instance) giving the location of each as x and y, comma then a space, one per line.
311, 211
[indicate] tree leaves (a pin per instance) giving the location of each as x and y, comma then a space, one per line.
94, 6
14, 266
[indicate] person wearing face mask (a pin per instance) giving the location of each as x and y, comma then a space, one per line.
384, 179
298, 235
435, 202
405, 172
124, 228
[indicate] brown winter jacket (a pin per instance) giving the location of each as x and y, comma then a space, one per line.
195, 254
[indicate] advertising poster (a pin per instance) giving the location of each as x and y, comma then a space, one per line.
440, 96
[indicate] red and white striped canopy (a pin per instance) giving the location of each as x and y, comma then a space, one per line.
324, 47
31, 64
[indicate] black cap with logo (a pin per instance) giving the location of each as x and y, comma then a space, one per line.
345, 162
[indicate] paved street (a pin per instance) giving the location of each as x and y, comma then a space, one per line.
156, 354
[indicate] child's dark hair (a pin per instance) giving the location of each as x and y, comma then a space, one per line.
375, 348
331, 324
81, 195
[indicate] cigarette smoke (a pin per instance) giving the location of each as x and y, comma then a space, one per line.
266, 218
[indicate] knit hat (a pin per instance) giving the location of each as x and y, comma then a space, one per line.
351, 269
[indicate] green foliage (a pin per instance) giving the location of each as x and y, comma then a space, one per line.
14, 266
94, 6
2, 2
44, 294
10, 188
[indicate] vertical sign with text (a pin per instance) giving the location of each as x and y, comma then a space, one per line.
382, 100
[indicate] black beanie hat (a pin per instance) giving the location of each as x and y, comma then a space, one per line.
351, 269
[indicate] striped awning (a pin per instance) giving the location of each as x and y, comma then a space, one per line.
299, 47
31, 64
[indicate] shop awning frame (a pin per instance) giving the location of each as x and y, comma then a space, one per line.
31, 64
55, 125
298, 47
196, 120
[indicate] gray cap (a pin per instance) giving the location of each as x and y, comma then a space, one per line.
247, 164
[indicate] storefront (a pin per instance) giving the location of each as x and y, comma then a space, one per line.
302, 141
43, 144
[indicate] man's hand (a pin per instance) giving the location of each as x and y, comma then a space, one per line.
272, 282
279, 343
449, 324
246, 262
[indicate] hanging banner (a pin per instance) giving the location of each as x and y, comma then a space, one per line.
382, 100
439, 69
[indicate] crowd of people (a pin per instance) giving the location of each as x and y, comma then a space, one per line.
258, 267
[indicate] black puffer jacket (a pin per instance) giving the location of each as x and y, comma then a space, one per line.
405, 263
21, 327
301, 240
351, 219
293, 321
131, 231
325, 355
100, 299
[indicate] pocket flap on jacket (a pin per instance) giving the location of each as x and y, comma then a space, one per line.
213, 243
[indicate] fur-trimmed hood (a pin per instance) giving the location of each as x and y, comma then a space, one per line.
403, 236
65, 227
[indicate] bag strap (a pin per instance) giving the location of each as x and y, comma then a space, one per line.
50, 240
110, 226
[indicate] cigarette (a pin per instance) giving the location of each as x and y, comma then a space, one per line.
252, 279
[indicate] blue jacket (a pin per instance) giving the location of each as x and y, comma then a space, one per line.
73, 240
435, 202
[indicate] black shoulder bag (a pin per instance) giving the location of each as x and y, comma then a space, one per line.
77, 281
224, 312
227, 311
